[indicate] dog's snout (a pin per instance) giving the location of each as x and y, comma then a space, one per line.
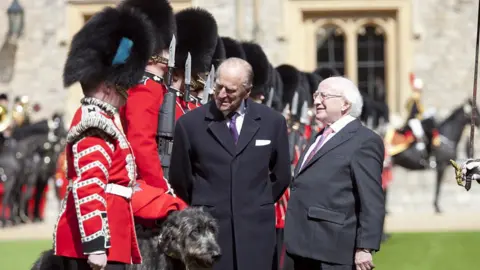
216, 256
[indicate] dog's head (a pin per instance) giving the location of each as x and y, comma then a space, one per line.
191, 236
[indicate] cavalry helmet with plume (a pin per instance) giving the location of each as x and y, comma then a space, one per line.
112, 47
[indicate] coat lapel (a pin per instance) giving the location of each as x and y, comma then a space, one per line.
343, 135
302, 156
218, 128
249, 127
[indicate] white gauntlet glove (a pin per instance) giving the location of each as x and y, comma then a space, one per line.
471, 170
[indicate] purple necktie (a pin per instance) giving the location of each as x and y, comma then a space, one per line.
233, 127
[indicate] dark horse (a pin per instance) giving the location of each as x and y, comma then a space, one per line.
450, 131
27, 159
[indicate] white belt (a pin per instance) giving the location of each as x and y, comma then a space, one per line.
119, 190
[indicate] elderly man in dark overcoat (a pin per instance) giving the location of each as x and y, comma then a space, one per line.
231, 157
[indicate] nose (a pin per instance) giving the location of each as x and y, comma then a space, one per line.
216, 254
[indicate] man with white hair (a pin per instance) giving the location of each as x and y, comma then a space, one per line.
337, 207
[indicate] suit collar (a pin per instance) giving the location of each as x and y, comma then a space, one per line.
249, 108
341, 123
342, 136
218, 127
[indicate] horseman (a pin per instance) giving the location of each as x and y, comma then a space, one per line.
415, 111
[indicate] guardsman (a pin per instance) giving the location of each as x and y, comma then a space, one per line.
140, 114
197, 34
95, 228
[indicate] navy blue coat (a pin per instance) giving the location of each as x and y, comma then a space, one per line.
237, 184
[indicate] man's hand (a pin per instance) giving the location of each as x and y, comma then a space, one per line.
363, 260
97, 261
471, 168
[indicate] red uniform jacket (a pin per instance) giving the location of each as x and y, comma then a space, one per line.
194, 104
97, 214
140, 120
61, 181
181, 108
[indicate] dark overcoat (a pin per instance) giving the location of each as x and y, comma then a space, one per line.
238, 184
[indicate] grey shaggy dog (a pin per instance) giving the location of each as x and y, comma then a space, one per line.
186, 240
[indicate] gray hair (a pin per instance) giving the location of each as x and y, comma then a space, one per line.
236, 63
349, 91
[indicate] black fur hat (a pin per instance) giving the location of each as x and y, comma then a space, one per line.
326, 72
277, 103
106, 38
313, 81
233, 48
219, 54
161, 14
197, 33
261, 68
291, 83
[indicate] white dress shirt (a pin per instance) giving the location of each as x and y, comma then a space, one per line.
336, 127
241, 115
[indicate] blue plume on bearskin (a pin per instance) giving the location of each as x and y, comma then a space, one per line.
197, 33
233, 48
111, 32
160, 13
257, 58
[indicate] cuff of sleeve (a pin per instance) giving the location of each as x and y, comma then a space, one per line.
95, 245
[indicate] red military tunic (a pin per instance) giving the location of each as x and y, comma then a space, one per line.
96, 213
181, 106
61, 181
140, 120
195, 103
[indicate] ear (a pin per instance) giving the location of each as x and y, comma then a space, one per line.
346, 106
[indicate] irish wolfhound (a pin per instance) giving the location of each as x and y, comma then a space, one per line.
186, 240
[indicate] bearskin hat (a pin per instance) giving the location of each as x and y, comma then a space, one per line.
277, 103
326, 72
197, 33
260, 66
233, 48
313, 81
113, 47
219, 54
304, 90
291, 83
161, 14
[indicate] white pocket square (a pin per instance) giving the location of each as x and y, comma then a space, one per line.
262, 142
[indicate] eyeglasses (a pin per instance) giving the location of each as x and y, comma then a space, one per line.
218, 87
324, 96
